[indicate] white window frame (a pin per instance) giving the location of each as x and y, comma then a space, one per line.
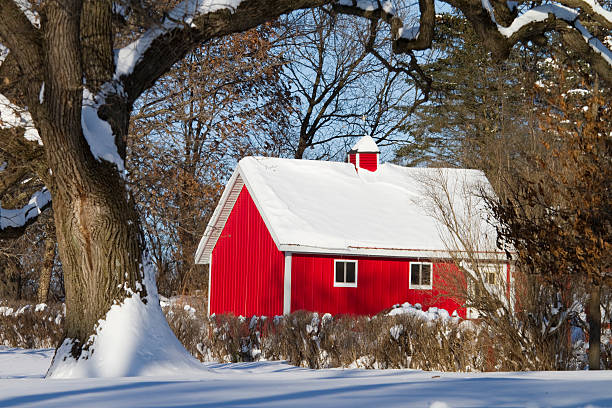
345, 284
498, 271
496, 274
499, 288
421, 287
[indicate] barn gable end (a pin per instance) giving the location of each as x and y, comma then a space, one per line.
219, 218
247, 269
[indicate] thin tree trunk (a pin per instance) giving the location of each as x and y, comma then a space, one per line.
594, 320
47, 267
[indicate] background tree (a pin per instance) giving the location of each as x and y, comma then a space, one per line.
498, 117
559, 216
480, 114
529, 319
223, 101
346, 83
28, 266
22, 264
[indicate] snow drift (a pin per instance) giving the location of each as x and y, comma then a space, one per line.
133, 339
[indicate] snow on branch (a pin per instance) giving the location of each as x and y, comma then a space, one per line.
21, 217
594, 43
561, 12
98, 132
369, 5
593, 8
405, 37
536, 14
179, 17
4, 52
12, 116
26, 7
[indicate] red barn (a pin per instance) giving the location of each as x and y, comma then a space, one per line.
353, 237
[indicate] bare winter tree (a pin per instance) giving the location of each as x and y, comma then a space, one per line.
64, 71
529, 317
346, 83
223, 101
558, 216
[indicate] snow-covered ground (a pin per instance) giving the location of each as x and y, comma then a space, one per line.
276, 384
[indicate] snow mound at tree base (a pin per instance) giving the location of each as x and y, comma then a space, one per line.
133, 339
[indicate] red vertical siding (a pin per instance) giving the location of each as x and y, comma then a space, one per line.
381, 283
353, 159
368, 161
247, 268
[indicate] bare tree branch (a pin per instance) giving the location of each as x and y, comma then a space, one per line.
167, 47
404, 38
593, 9
25, 42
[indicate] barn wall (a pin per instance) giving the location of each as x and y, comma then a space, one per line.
368, 161
247, 268
381, 283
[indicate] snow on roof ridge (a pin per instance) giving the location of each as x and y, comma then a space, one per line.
366, 145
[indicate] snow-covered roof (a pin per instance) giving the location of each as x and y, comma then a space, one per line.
327, 207
365, 145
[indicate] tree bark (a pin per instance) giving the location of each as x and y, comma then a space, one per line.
47, 268
594, 320
9, 278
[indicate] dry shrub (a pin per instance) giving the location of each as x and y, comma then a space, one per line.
226, 337
187, 327
21, 325
309, 340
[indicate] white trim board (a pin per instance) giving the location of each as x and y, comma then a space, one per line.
287, 284
209, 282
219, 218
390, 252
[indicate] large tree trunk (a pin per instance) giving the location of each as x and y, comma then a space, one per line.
114, 325
97, 233
594, 320
97, 230
97, 227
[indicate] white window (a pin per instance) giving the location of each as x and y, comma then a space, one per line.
490, 277
420, 275
494, 279
345, 273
